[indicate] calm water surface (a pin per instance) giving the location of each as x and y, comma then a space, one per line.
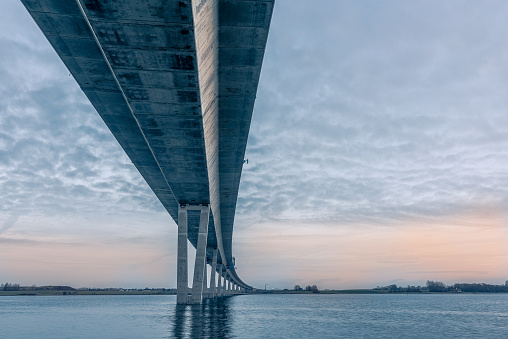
257, 316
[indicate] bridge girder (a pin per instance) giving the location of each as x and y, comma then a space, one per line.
175, 82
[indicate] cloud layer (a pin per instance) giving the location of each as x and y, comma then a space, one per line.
379, 112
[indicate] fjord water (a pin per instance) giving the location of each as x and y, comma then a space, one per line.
257, 316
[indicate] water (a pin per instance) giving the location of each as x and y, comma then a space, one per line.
257, 316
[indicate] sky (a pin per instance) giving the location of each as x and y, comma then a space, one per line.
378, 154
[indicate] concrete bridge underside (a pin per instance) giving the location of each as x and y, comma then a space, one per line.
175, 82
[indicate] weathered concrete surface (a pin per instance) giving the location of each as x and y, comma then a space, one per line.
175, 82
182, 276
199, 280
220, 281
213, 275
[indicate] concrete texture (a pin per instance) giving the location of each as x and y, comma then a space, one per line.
182, 276
199, 280
219, 282
213, 275
175, 82
224, 283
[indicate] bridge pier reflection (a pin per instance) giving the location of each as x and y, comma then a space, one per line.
211, 319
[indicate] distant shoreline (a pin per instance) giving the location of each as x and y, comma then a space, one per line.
173, 292
366, 291
78, 292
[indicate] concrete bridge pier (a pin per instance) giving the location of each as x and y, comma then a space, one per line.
224, 282
199, 281
219, 282
213, 273
206, 290
182, 282
200, 266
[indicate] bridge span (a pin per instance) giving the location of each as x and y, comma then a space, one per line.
175, 82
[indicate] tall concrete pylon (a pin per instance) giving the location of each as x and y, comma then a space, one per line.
182, 277
200, 266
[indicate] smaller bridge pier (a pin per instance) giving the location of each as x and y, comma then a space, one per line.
182, 278
224, 283
200, 266
213, 274
219, 282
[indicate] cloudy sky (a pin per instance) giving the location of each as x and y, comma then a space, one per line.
378, 154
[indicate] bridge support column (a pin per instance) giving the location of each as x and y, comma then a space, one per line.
182, 278
224, 276
206, 291
213, 286
219, 282
200, 265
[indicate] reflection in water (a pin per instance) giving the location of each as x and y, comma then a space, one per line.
208, 320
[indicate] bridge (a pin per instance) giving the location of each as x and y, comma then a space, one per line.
175, 82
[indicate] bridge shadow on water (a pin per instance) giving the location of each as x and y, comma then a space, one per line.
211, 319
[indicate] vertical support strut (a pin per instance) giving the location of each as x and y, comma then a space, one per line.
205, 286
213, 286
200, 265
224, 275
182, 278
219, 282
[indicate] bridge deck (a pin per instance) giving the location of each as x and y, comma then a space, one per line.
175, 82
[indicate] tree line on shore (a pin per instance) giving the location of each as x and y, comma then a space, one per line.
17, 287
308, 288
430, 286
440, 287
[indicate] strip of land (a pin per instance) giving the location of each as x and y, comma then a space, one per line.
8, 289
